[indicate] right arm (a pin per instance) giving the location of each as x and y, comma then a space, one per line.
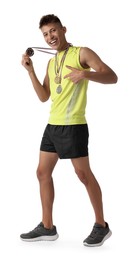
42, 91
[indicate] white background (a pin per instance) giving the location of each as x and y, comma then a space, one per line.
104, 27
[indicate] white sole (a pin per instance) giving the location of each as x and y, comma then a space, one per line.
42, 238
101, 243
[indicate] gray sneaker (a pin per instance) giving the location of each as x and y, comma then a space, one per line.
98, 235
40, 233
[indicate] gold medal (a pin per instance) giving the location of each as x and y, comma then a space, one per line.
59, 89
57, 79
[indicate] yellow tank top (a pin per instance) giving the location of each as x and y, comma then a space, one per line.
68, 107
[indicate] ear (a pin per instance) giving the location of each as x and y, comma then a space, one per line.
64, 29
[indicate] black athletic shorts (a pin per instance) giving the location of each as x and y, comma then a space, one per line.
69, 141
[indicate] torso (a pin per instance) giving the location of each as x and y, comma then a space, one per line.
68, 107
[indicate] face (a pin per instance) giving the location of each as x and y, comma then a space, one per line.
54, 35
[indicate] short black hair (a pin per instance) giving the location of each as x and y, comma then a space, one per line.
50, 18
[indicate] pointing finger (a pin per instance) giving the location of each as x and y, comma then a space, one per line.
69, 67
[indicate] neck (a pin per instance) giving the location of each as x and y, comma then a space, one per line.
64, 47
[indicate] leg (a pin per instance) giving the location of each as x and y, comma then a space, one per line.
47, 162
82, 169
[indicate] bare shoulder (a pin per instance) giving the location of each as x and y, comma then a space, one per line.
90, 58
85, 50
87, 55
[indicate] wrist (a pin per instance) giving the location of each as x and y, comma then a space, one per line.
31, 72
85, 74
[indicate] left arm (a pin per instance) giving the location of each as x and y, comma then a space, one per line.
89, 59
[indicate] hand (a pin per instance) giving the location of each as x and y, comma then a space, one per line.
27, 63
75, 75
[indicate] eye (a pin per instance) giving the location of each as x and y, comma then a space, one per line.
53, 30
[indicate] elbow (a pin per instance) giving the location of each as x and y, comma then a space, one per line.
44, 99
115, 79
112, 78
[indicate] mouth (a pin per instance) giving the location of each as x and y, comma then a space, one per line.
53, 43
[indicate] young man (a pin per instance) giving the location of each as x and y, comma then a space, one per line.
66, 135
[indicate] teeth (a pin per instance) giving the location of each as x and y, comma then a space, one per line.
53, 42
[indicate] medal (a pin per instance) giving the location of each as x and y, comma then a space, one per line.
58, 70
57, 79
59, 89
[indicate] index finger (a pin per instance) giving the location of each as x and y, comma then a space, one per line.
69, 67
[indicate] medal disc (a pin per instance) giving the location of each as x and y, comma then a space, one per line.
59, 89
57, 79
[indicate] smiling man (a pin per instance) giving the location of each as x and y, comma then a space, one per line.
66, 134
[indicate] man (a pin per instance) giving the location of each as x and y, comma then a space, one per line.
66, 135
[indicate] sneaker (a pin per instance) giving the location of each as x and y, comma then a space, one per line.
40, 233
98, 235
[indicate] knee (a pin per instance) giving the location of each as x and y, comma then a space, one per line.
39, 173
42, 175
82, 175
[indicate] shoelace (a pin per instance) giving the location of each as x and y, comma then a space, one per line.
39, 226
94, 232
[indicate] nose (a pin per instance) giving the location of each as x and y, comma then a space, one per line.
50, 36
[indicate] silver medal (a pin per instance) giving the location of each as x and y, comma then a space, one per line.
59, 89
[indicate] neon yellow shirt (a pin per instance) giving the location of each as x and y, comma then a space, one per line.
68, 107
